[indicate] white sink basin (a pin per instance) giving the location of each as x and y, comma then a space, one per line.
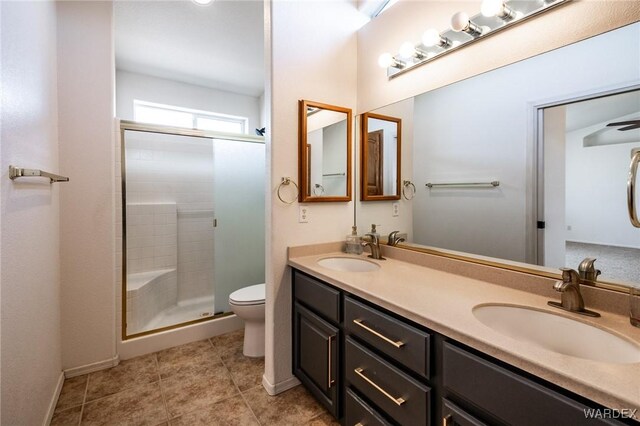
558, 334
348, 264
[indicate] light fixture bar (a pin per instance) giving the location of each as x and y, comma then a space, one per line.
435, 44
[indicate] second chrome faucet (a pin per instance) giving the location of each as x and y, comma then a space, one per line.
571, 299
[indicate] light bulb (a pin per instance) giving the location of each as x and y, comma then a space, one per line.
431, 37
385, 60
407, 50
459, 22
490, 8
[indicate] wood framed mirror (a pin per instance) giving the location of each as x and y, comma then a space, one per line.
324, 152
380, 141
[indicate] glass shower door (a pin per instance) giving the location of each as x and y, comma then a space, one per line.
238, 192
194, 225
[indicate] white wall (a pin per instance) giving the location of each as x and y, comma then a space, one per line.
85, 94
130, 86
407, 20
324, 73
381, 212
31, 345
490, 140
597, 191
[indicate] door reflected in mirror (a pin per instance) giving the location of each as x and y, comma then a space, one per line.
324, 152
380, 142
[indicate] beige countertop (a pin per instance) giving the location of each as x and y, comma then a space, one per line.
443, 302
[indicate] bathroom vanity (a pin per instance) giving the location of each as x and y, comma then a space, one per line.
396, 345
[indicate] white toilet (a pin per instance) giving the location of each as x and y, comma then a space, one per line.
248, 304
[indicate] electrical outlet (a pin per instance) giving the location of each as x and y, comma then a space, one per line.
303, 214
396, 209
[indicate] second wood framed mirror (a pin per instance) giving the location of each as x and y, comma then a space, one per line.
380, 142
324, 152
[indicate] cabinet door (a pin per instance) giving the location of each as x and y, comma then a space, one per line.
315, 356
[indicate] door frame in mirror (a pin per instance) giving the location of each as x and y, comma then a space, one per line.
364, 150
303, 158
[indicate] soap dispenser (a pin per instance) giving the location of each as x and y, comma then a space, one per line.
353, 243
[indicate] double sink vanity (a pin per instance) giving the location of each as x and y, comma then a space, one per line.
419, 339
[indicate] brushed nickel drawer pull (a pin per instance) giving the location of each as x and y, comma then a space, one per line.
331, 381
397, 401
397, 344
445, 420
358, 424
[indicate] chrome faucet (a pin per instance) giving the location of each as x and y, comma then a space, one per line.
571, 299
374, 245
393, 239
588, 272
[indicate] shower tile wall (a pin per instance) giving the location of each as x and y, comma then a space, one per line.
195, 266
152, 242
170, 169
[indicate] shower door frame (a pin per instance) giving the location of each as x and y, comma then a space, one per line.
167, 130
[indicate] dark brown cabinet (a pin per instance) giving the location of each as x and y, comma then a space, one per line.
385, 370
316, 341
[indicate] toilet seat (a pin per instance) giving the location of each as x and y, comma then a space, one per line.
252, 295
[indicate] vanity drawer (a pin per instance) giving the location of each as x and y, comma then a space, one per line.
452, 415
403, 398
358, 412
402, 342
508, 396
323, 299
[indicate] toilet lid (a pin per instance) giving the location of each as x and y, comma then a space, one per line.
251, 295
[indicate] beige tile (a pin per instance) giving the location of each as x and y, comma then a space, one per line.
293, 407
229, 412
229, 343
186, 357
68, 417
129, 373
246, 372
140, 405
72, 393
196, 388
324, 419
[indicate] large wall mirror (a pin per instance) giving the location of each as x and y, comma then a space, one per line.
324, 152
534, 169
380, 144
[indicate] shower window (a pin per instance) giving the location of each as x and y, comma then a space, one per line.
168, 115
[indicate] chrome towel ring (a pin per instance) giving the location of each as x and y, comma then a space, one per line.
284, 182
317, 188
405, 185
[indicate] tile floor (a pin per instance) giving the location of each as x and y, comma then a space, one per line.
208, 382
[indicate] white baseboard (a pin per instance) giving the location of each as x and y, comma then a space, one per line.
54, 400
90, 368
274, 389
179, 336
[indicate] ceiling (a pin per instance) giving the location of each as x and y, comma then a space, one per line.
594, 111
218, 46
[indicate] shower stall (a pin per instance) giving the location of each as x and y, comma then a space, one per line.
193, 224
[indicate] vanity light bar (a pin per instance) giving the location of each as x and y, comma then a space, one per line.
495, 16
